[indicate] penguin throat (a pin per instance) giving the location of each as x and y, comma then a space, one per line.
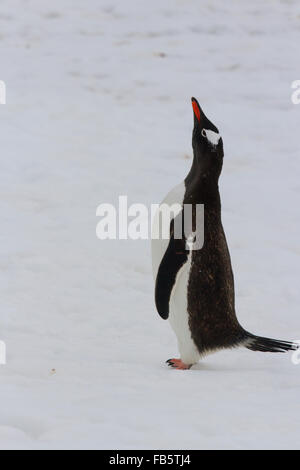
203, 183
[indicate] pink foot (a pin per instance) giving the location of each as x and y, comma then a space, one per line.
178, 364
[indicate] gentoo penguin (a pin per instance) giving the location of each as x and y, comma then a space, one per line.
194, 289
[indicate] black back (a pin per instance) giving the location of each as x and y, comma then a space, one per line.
211, 299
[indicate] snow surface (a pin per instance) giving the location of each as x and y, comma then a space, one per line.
98, 105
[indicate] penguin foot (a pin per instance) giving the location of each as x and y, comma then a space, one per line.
178, 364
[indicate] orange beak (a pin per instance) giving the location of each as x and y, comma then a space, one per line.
196, 109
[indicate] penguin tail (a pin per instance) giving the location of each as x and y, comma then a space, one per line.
257, 343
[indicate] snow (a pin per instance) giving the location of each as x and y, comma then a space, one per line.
98, 105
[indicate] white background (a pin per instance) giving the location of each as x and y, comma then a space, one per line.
98, 104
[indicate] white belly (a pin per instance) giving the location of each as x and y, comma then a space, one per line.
178, 316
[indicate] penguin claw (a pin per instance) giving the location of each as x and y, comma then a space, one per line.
178, 364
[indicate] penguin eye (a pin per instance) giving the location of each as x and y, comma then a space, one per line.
203, 133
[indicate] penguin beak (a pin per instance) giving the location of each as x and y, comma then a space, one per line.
197, 109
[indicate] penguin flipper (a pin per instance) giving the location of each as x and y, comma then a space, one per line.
174, 258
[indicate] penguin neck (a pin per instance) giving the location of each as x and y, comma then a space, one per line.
203, 185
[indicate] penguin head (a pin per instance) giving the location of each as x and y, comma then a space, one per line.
207, 144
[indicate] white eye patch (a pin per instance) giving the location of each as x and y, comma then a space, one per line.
212, 136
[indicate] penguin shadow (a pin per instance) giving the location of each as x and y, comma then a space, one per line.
204, 367
237, 366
